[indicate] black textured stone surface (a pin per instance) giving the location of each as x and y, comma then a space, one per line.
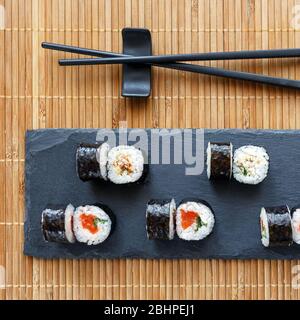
51, 179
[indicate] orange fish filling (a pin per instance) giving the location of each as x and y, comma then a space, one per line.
188, 218
89, 222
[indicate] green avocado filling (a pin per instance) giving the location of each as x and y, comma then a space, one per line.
244, 170
99, 221
200, 223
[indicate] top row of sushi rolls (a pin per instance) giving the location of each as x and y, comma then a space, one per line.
120, 165
248, 164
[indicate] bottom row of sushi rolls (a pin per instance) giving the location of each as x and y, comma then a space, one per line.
90, 224
280, 226
194, 219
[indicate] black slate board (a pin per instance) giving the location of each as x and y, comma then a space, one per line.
51, 179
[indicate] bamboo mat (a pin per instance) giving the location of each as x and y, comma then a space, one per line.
36, 93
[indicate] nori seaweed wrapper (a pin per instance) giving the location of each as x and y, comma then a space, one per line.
146, 169
53, 225
280, 226
55, 236
158, 219
144, 176
88, 167
221, 160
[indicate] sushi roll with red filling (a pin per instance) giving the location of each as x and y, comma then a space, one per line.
92, 224
194, 219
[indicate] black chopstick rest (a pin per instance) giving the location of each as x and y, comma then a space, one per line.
136, 80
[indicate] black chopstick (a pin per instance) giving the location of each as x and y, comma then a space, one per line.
282, 82
79, 50
231, 55
237, 75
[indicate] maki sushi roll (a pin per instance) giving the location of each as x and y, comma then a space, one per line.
251, 164
296, 224
276, 226
219, 160
120, 165
125, 165
194, 219
91, 160
160, 215
92, 224
57, 225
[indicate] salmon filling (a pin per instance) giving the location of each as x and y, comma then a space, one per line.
90, 222
188, 218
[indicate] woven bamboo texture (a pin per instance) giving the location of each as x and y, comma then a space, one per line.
36, 93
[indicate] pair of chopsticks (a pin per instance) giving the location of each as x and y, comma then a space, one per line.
171, 62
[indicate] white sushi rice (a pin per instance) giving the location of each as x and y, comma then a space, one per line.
102, 157
251, 164
231, 159
69, 215
84, 235
208, 160
172, 218
192, 232
296, 225
264, 228
125, 164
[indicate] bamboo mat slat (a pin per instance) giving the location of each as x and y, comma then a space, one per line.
36, 93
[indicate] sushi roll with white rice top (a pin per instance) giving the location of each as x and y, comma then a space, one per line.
92, 225
250, 165
194, 220
296, 224
125, 164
